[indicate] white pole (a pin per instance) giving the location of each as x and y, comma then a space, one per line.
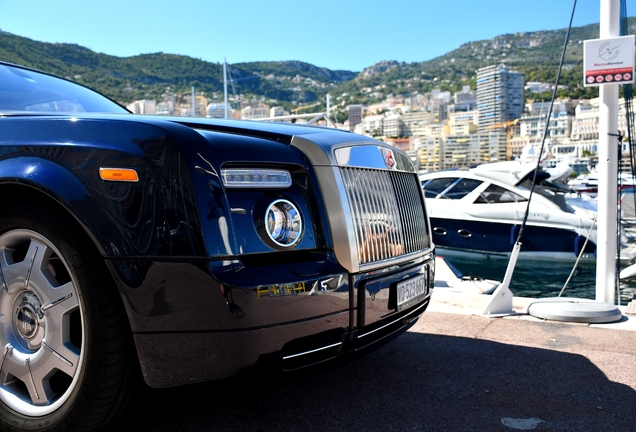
328, 105
225, 84
194, 104
607, 168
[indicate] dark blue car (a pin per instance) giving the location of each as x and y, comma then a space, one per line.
176, 250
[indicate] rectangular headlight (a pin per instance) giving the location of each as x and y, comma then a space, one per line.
255, 178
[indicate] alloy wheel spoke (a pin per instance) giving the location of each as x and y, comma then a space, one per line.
39, 388
57, 357
19, 274
34, 371
24, 368
4, 287
58, 301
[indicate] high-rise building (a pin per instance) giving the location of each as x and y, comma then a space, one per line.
499, 96
355, 115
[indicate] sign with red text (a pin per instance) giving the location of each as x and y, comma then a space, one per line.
609, 61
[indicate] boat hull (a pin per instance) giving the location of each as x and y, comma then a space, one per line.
471, 237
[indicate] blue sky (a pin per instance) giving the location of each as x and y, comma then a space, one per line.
349, 35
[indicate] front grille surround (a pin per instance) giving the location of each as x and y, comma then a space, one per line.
361, 195
387, 212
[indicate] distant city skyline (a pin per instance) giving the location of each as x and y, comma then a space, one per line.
337, 35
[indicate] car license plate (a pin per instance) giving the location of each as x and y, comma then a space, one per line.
411, 290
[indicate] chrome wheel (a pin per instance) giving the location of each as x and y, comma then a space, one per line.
41, 325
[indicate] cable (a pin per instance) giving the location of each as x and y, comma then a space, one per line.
545, 130
578, 258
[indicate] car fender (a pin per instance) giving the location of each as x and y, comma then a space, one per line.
67, 190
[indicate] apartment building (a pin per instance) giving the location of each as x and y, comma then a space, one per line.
463, 122
585, 125
464, 101
393, 125
143, 107
458, 151
355, 115
218, 110
416, 122
278, 112
559, 127
372, 125
500, 95
166, 107
252, 112
430, 152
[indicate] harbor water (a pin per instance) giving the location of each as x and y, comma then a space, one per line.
546, 278
540, 279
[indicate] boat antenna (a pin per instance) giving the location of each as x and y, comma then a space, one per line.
229, 72
225, 85
545, 129
501, 301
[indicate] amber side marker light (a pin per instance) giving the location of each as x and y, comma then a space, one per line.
119, 174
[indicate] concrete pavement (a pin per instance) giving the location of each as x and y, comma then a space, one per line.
452, 371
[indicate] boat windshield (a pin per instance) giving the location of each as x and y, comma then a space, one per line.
494, 194
23, 91
556, 198
449, 187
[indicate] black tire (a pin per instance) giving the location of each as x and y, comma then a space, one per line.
67, 359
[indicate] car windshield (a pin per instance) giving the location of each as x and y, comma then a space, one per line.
25, 91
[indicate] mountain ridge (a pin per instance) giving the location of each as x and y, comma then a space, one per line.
295, 83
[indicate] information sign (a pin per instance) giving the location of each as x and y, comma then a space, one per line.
609, 61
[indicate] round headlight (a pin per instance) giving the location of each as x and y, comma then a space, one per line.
283, 223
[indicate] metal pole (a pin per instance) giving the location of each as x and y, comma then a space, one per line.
607, 169
194, 104
225, 84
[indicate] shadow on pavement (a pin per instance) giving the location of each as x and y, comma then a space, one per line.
418, 382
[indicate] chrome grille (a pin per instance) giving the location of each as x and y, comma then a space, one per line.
387, 211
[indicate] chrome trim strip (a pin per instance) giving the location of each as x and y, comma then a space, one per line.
393, 261
312, 351
396, 320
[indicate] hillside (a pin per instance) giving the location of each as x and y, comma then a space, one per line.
126, 79
293, 83
536, 54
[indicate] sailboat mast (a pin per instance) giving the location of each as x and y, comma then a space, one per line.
225, 84
606, 253
194, 104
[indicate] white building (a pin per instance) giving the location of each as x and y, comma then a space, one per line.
144, 106
416, 122
217, 110
255, 112
393, 126
167, 108
585, 125
371, 125
278, 112
559, 129
538, 87
500, 95
458, 151
462, 123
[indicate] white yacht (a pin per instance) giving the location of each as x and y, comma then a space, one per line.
480, 210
